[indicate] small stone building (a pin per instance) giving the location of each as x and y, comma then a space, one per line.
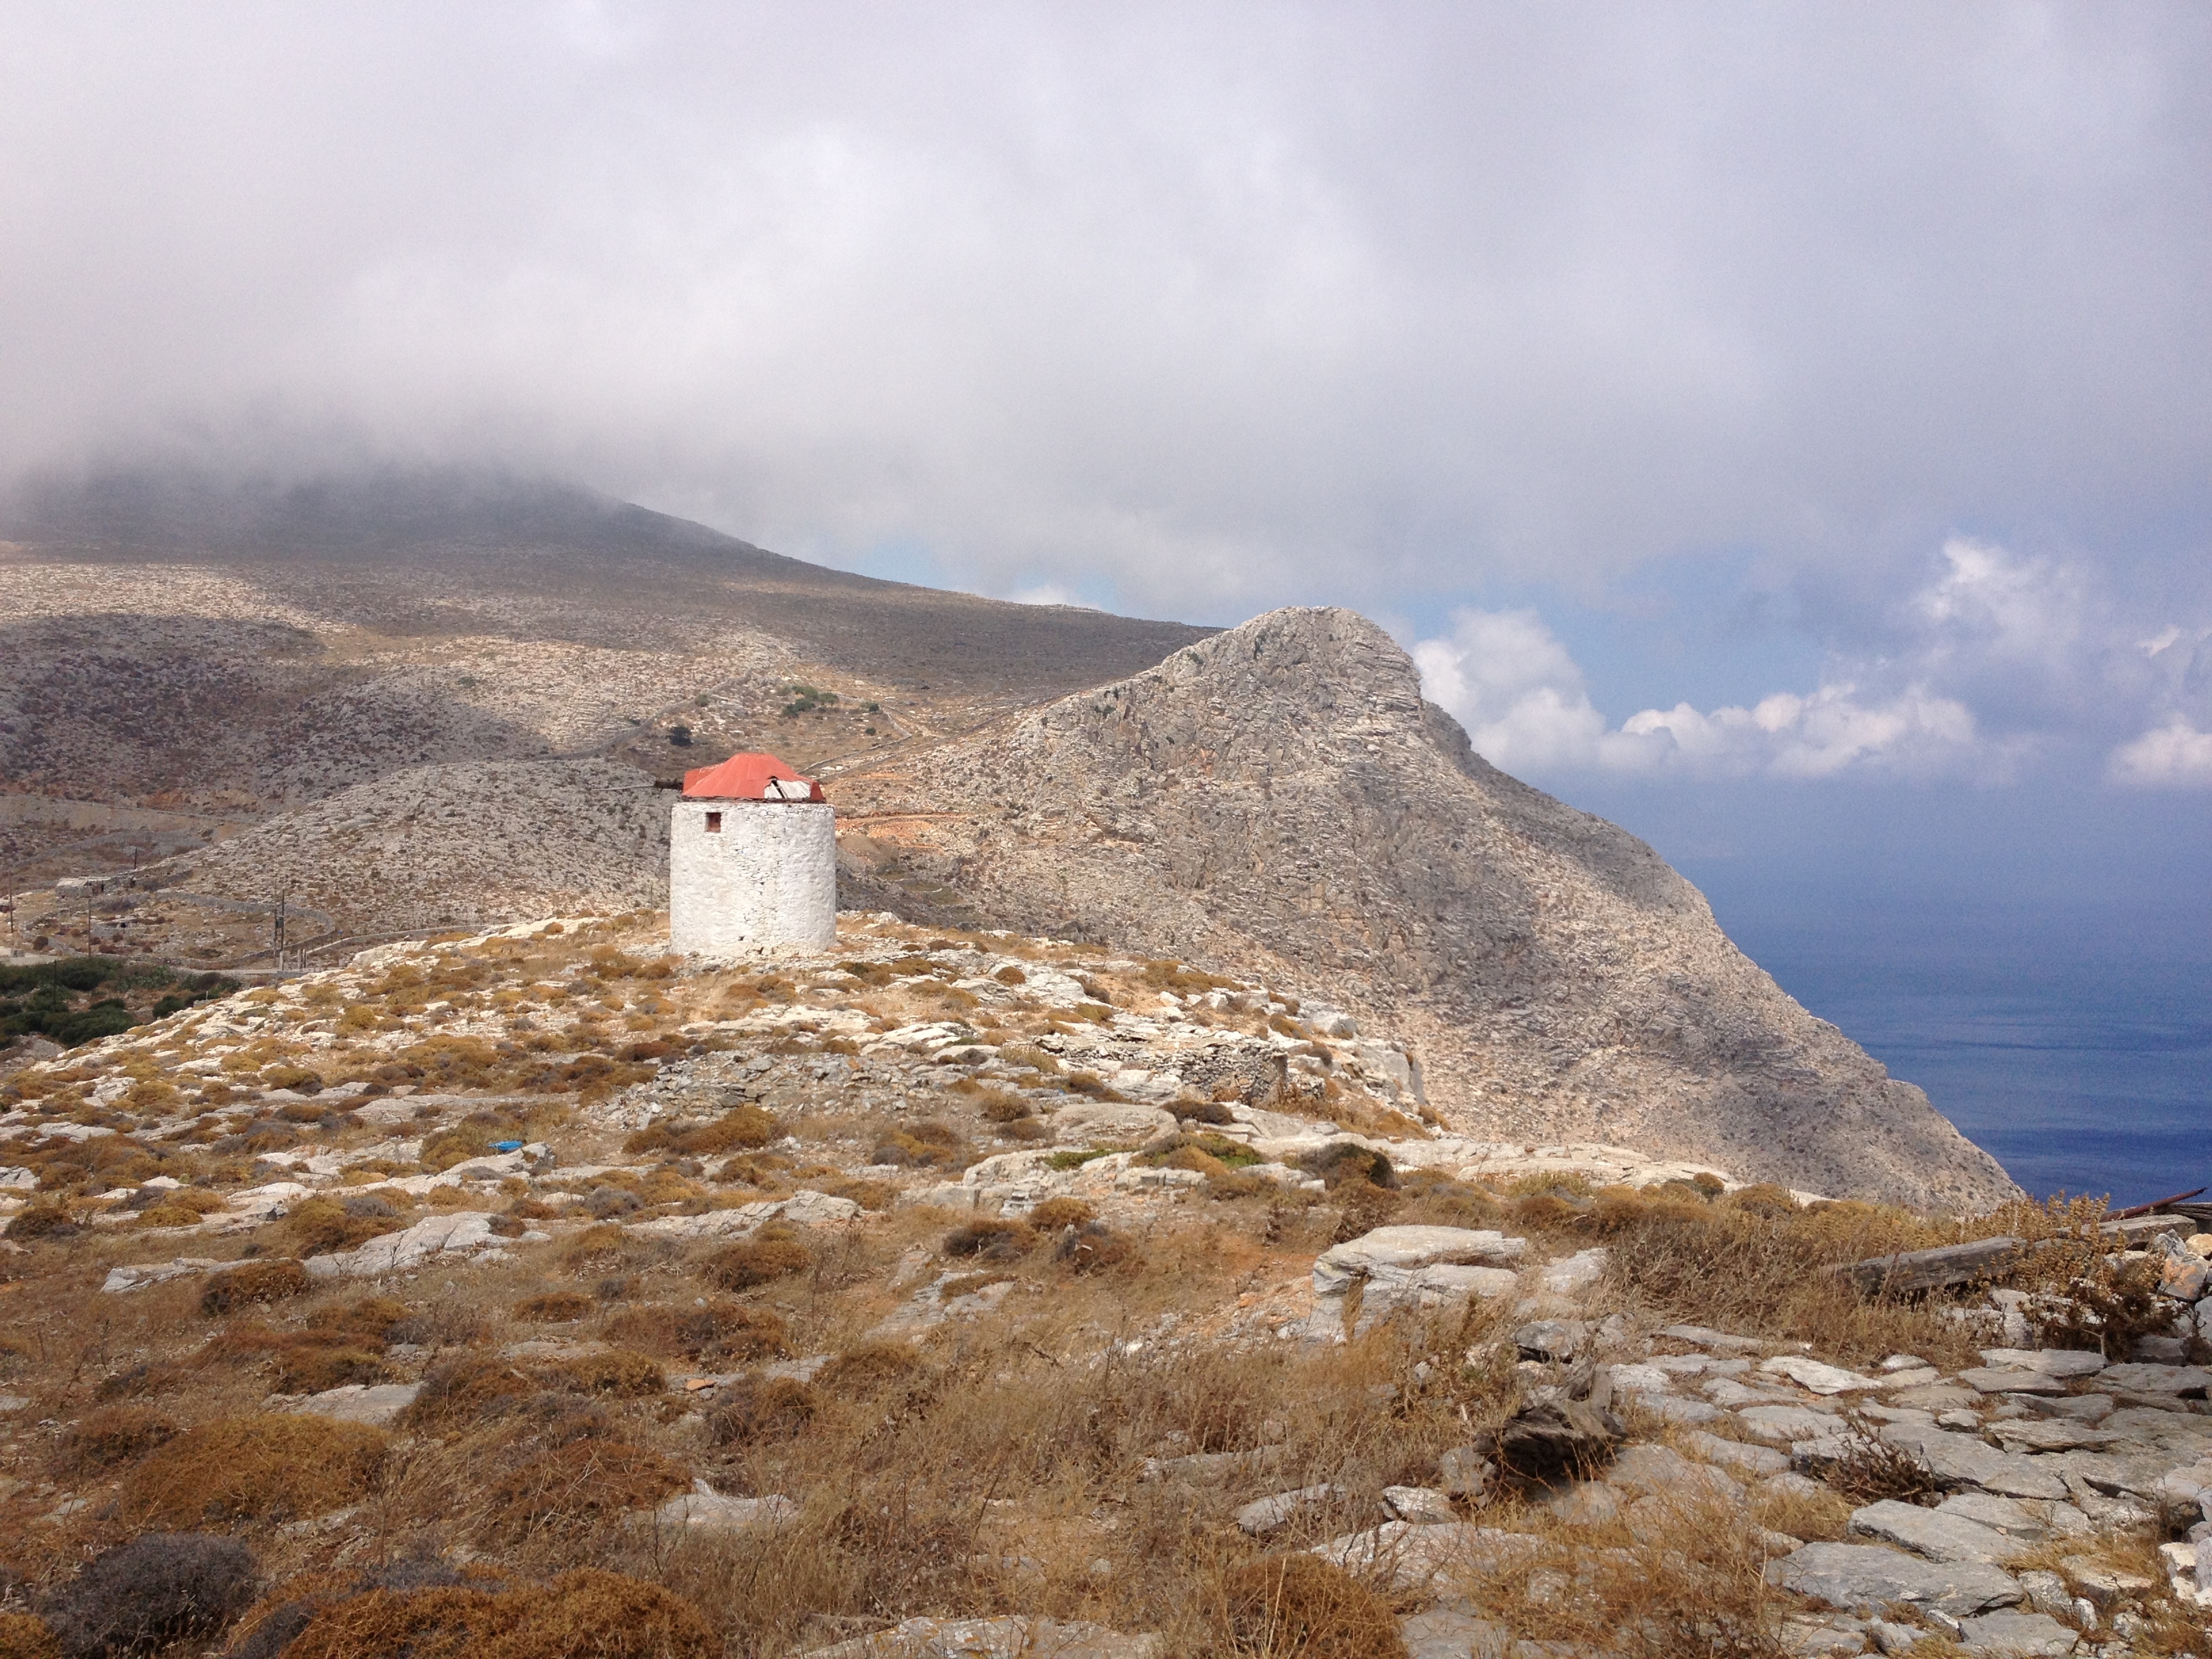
752, 861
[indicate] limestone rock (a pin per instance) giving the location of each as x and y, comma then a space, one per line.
2019, 1635
1819, 1378
1424, 1506
1962, 1460
1939, 1535
1866, 1578
1015, 1637
703, 1514
374, 1403
453, 1233
1417, 1558
1266, 1516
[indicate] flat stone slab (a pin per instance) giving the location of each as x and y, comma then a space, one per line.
374, 1403
2019, 1635
1934, 1533
1656, 1470
1990, 1379
1448, 1633
2006, 1515
138, 1276
1963, 1460
1674, 1408
1866, 1578
805, 1208
450, 1234
1417, 1558
1751, 1460
2050, 1434
1341, 1265
1698, 1336
2052, 1362
703, 1514
1125, 1122
2155, 1379
1265, 1516
1786, 1424
1817, 1377
1015, 1637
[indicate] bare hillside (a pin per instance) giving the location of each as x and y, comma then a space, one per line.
1280, 793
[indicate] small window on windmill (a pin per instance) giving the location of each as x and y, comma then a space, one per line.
714, 824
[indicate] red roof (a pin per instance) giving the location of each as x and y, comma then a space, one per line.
747, 777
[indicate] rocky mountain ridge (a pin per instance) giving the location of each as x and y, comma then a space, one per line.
1280, 795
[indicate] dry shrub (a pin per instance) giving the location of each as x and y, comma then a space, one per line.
923, 1145
366, 1319
742, 1127
1091, 1248
1299, 1607
714, 1330
162, 1588
309, 1369
252, 1283
23, 1637
40, 1221
1346, 1161
614, 1374
110, 1436
1822, 1516
868, 1369
607, 1248
997, 1105
1873, 1468
868, 1195
135, 1381
585, 1615
761, 1259
553, 1308
1055, 1214
324, 1227
991, 1240
1739, 1267
466, 1392
573, 1490
757, 1409
259, 1467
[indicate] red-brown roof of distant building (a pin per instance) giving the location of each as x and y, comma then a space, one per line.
745, 777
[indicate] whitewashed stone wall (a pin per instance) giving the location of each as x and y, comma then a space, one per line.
768, 878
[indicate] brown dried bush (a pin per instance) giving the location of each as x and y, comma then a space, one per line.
1299, 1607
613, 1374
746, 1128
868, 1370
1055, 1214
992, 1239
1872, 1468
367, 1319
715, 1330
1091, 1248
868, 1195
607, 1247
553, 1308
587, 1613
757, 1409
23, 1636
324, 1226
110, 1436
311, 1367
466, 1391
252, 1283
760, 1260
578, 1488
258, 1467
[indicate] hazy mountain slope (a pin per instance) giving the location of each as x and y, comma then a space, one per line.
1280, 793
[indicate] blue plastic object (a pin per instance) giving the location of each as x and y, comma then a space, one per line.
507, 1146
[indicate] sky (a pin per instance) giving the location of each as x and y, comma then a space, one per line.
1785, 428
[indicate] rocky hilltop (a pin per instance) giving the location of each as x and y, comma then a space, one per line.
1280, 795
410, 704
951, 1292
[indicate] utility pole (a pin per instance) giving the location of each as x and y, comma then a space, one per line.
278, 930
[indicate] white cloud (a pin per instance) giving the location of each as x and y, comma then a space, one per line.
1051, 593
2176, 755
1994, 662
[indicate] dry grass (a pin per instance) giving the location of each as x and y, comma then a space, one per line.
584, 1614
1298, 1606
253, 1469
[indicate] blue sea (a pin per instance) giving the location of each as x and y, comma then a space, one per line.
2073, 1041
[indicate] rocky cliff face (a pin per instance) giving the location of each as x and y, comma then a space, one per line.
1280, 797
